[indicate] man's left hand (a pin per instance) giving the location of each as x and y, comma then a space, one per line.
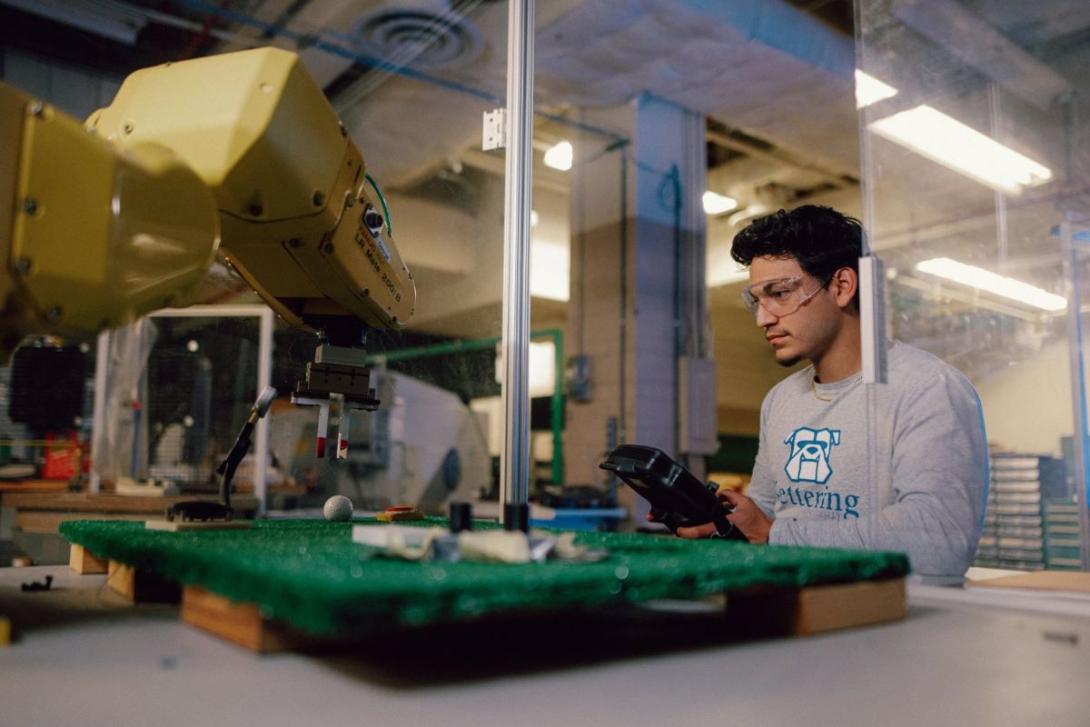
747, 517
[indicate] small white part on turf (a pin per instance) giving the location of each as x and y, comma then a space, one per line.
337, 508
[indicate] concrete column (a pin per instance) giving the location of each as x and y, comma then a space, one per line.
638, 298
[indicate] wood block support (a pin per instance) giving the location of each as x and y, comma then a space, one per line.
828, 608
137, 586
239, 623
816, 609
84, 562
5, 631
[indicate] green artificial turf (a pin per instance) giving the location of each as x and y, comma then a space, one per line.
311, 575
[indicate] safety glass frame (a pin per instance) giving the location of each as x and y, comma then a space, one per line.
752, 301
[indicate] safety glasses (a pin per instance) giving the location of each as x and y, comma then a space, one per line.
780, 297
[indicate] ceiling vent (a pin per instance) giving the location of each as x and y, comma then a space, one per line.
421, 37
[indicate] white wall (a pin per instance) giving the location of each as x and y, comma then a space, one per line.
466, 278
1028, 407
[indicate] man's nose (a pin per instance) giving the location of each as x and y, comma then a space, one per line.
764, 318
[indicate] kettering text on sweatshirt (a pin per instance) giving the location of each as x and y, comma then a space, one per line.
927, 452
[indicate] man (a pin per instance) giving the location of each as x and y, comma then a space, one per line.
917, 463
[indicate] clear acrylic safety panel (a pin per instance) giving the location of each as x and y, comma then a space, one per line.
974, 166
619, 246
411, 82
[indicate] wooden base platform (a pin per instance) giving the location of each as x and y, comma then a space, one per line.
756, 613
239, 623
138, 586
84, 562
818, 609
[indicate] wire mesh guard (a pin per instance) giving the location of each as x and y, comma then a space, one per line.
188, 403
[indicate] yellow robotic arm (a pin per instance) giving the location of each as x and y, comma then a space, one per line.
240, 150
296, 212
90, 237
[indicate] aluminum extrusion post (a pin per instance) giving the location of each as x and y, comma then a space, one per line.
515, 457
1076, 349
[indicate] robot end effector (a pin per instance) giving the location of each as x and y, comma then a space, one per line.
240, 151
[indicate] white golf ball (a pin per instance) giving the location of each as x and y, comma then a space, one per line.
337, 508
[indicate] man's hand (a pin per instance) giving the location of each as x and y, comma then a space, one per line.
747, 517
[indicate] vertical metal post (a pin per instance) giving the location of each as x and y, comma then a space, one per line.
515, 344
264, 379
1078, 387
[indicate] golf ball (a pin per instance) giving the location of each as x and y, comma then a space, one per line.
337, 508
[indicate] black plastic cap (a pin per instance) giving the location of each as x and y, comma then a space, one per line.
461, 517
516, 517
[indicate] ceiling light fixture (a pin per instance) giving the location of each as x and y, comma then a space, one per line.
725, 272
990, 282
949, 142
559, 156
720, 267
717, 204
550, 270
869, 89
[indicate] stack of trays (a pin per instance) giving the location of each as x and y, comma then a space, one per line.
1062, 551
1013, 535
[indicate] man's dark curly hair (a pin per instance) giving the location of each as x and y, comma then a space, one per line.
820, 238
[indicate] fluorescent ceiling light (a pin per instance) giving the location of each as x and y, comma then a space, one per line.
549, 270
949, 142
541, 368
869, 89
722, 269
717, 204
560, 156
990, 282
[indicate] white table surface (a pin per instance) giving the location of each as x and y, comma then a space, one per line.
85, 659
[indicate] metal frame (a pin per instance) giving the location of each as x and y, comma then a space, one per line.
1076, 351
265, 317
518, 191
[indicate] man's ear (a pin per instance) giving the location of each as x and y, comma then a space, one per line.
844, 285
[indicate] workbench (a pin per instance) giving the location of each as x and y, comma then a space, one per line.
87, 657
37, 509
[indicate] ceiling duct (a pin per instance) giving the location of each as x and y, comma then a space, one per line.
428, 35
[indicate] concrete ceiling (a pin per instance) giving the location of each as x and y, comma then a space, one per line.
596, 53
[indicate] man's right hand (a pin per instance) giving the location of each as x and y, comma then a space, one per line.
746, 516
706, 530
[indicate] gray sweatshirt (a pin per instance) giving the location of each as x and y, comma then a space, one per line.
928, 452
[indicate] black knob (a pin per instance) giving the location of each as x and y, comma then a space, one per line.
516, 517
461, 517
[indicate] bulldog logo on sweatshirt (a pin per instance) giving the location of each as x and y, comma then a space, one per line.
810, 451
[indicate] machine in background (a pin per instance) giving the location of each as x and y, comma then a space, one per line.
423, 446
